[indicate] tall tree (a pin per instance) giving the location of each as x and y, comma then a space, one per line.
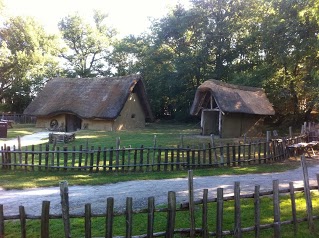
27, 59
87, 45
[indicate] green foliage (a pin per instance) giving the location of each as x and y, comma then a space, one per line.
86, 46
27, 60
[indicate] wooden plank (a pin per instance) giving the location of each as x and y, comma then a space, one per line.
23, 223
45, 219
123, 159
307, 193
111, 159
178, 158
171, 214
64, 192
165, 159
220, 211
257, 211
58, 158
1, 221
65, 158
104, 158
276, 206
141, 158
205, 232
172, 159
73, 158
25, 158
159, 155
228, 154
109, 217
98, 158
87, 220
191, 203
293, 206
237, 225
92, 158
135, 160
80, 156
32, 157
40, 157
129, 217
150, 217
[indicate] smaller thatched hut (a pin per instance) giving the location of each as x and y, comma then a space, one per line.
92, 103
229, 110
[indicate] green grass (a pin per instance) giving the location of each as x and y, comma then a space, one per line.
182, 220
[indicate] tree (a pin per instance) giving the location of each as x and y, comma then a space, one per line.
27, 60
86, 46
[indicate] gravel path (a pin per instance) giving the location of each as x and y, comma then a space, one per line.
141, 190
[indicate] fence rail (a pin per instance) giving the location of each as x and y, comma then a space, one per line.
95, 159
197, 225
18, 118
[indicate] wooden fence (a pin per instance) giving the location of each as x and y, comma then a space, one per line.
95, 159
18, 118
196, 212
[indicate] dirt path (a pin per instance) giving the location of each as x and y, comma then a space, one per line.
141, 190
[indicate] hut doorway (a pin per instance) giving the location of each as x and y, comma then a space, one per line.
73, 123
210, 122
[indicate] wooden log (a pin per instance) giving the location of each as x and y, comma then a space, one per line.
64, 192
307, 193
150, 217
45, 219
191, 203
109, 217
293, 206
219, 214
257, 211
129, 217
1, 221
205, 231
171, 214
276, 206
87, 222
237, 225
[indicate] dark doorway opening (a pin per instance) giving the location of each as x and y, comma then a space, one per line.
73, 123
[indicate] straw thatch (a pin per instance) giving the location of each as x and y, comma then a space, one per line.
94, 98
232, 98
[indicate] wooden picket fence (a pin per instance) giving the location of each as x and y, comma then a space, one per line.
122, 159
172, 210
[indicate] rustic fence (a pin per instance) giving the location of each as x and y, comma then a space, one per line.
196, 212
18, 118
122, 159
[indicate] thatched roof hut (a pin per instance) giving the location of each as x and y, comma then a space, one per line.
94, 103
229, 110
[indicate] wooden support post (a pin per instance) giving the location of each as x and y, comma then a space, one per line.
64, 192
45, 219
191, 203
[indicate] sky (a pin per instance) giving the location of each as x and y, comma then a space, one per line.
127, 16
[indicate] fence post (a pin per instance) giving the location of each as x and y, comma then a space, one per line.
171, 214
237, 228
219, 214
1, 222
109, 217
64, 192
150, 217
191, 203
276, 204
293, 206
129, 216
257, 210
267, 144
307, 193
45, 220
205, 214
87, 216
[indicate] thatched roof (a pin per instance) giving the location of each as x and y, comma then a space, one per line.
88, 97
232, 98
